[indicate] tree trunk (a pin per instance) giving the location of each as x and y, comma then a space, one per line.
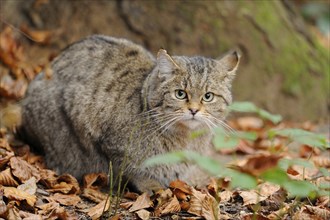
284, 69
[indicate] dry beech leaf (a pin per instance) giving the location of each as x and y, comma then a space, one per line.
94, 195
96, 211
48, 177
66, 184
196, 202
279, 214
131, 195
254, 217
29, 186
322, 161
210, 208
3, 208
323, 201
29, 216
249, 123
53, 210
13, 193
322, 213
257, 164
262, 192
95, 180
172, 206
39, 36
142, 202
226, 196
7, 179
143, 214
126, 205
13, 214
4, 154
178, 184
67, 200
23, 170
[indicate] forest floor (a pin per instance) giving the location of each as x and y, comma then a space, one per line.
28, 190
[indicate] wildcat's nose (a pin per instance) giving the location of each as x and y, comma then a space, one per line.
193, 111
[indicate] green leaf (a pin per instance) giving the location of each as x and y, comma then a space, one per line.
224, 142
286, 163
304, 137
251, 136
276, 175
168, 158
208, 164
241, 180
300, 188
249, 107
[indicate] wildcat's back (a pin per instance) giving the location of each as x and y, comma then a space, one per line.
96, 84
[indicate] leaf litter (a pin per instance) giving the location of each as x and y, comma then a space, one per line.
28, 190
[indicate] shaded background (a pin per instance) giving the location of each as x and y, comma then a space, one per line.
285, 44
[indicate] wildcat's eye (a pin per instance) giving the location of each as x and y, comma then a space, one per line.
208, 97
180, 94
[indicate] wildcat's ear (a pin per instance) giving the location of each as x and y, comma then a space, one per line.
165, 63
230, 61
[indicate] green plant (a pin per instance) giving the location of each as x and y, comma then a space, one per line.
277, 174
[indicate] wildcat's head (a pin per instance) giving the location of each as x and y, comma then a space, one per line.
193, 92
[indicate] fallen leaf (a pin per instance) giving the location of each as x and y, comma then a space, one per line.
29, 216
13, 193
143, 214
254, 217
178, 184
226, 195
66, 184
196, 202
249, 123
38, 36
95, 180
172, 206
29, 186
96, 212
142, 202
126, 205
131, 195
67, 200
7, 179
210, 208
321, 161
94, 195
23, 170
257, 164
262, 192
318, 212
53, 210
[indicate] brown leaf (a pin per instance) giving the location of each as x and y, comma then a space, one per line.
53, 210
210, 208
249, 123
7, 179
29, 216
143, 214
5, 154
196, 200
10, 116
126, 205
13, 193
254, 217
178, 184
321, 161
262, 192
142, 202
67, 200
94, 195
23, 170
66, 184
318, 212
131, 195
96, 211
39, 36
257, 164
29, 186
3, 207
95, 180
226, 196
172, 206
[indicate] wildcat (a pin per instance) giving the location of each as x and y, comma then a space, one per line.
110, 100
